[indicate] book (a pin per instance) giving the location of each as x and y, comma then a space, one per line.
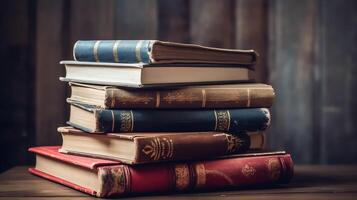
105, 178
135, 148
151, 75
154, 51
92, 119
186, 97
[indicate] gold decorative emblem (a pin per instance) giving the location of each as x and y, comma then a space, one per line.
248, 171
159, 148
126, 121
233, 143
182, 176
112, 180
201, 175
223, 120
274, 168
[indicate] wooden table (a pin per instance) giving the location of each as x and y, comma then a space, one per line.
309, 182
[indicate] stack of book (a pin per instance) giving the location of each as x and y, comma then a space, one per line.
151, 116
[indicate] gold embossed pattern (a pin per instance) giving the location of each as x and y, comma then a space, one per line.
126, 121
182, 176
201, 175
159, 149
248, 171
223, 120
233, 143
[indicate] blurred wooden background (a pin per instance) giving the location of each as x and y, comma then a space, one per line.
307, 52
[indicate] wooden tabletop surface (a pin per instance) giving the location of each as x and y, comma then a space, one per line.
309, 182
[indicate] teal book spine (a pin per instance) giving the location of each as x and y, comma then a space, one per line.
123, 51
228, 121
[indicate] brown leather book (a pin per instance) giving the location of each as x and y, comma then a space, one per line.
134, 148
201, 96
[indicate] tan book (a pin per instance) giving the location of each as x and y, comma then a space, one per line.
200, 96
133, 148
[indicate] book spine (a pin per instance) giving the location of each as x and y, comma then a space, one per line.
124, 51
214, 174
230, 121
184, 147
191, 98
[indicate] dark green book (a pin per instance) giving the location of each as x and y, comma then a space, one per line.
91, 119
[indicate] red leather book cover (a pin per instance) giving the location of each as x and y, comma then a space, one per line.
90, 163
119, 179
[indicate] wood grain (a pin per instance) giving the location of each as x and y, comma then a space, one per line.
251, 31
51, 109
291, 69
212, 23
136, 19
17, 82
337, 80
173, 19
91, 20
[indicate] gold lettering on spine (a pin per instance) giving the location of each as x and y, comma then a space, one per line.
126, 121
201, 175
203, 98
159, 149
113, 122
115, 51
137, 51
248, 98
223, 120
95, 51
182, 176
157, 99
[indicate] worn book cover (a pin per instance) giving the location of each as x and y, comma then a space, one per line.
135, 148
105, 178
92, 119
154, 51
186, 97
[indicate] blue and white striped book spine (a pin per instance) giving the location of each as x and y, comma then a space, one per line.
119, 51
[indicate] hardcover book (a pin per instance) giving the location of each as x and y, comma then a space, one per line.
202, 96
135, 148
91, 119
151, 75
154, 51
105, 178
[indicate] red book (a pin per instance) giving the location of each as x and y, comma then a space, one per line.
103, 178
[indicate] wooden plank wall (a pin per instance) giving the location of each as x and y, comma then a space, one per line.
337, 79
312, 68
306, 53
17, 82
